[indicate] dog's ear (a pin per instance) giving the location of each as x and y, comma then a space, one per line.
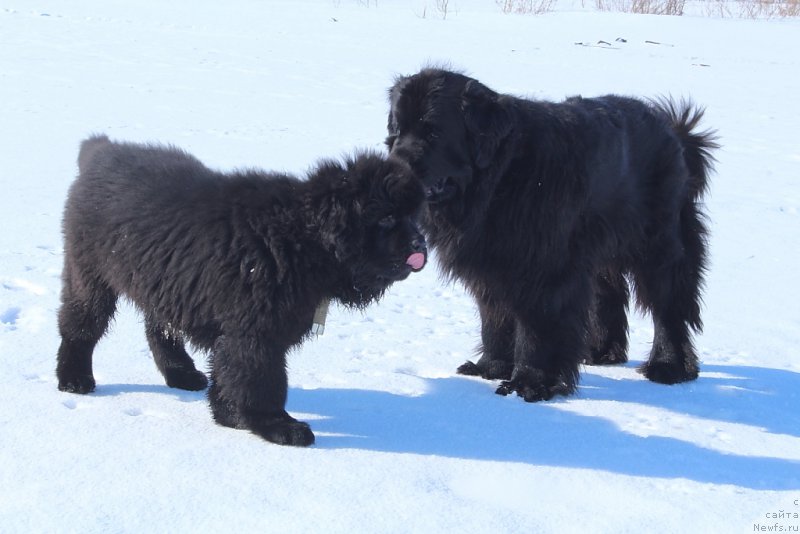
394, 96
391, 127
487, 119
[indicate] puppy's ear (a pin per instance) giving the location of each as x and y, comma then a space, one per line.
487, 119
329, 209
338, 228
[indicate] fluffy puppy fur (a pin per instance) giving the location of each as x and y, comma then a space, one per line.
547, 211
234, 263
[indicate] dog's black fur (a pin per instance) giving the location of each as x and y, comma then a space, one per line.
546, 211
235, 263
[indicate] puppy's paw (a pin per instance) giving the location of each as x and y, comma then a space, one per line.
294, 433
80, 384
223, 411
281, 430
668, 372
188, 379
493, 370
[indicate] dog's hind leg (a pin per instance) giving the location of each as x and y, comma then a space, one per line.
87, 306
169, 353
669, 285
497, 344
608, 321
249, 388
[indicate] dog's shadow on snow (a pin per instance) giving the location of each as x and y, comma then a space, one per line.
461, 418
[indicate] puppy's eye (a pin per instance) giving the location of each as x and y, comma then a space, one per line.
388, 222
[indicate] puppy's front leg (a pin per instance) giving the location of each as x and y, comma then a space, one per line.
248, 391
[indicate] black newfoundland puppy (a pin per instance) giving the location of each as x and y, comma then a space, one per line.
236, 264
546, 211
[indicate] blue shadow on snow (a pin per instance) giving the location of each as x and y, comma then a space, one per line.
462, 418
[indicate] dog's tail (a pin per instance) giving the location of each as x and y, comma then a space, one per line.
688, 274
684, 117
88, 150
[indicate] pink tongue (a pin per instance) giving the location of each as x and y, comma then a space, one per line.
416, 261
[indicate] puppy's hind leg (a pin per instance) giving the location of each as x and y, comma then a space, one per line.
87, 306
171, 358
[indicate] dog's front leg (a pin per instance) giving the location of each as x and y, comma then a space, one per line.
497, 343
535, 377
248, 391
543, 367
550, 341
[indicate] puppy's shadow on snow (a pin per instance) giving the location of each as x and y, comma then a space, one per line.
462, 418
115, 390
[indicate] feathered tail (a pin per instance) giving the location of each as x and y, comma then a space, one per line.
697, 146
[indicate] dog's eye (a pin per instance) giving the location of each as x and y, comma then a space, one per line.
431, 134
388, 222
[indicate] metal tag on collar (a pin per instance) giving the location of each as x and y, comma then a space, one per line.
320, 314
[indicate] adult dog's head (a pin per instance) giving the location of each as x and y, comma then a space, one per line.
448, 127
366, 210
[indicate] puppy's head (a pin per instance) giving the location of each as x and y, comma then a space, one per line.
369, 222
448, 127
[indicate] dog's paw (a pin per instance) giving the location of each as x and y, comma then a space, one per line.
668, 372
81, 384
493, 370
188, 379
528, 392
533, 385
613, 356
469, 369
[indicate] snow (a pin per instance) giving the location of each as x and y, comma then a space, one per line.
403, 443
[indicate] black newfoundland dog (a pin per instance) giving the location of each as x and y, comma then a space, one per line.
547, 211
236, 264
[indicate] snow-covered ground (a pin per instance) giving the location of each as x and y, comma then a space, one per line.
403, 444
